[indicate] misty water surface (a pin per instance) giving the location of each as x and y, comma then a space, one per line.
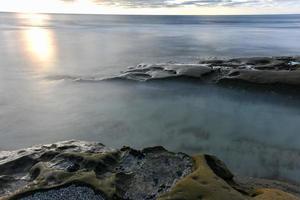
44, 59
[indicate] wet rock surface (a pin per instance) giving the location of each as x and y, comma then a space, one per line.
146, 174
17, 168
89, 170
117, 174
257, 70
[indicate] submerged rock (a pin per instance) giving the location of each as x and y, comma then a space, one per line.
257, 70
87, 170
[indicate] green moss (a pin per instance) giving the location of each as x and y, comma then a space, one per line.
273, 194
90, 159
202, 183
49, 178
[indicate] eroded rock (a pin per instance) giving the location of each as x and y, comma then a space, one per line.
87, 170
257, 70
149, 173
117, 174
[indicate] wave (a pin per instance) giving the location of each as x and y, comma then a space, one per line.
76, 78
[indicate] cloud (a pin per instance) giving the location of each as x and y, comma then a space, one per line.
178, 3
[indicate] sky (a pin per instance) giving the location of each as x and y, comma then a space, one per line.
160, 7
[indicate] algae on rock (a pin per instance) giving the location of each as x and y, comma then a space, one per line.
54, 171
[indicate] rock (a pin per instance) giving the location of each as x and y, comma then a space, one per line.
268, 184
89, 170
270, 194
71, 192
218, 167
257, 70
150, 173
120, 174
164, 71
268, 77
203, 183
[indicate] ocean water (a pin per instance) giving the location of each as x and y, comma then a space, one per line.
51, 88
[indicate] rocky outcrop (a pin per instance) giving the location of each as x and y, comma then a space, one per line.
87, 170
260, 70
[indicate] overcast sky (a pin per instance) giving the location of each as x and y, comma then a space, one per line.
154, 6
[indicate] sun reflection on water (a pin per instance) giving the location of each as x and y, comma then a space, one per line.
39, 44
38, 41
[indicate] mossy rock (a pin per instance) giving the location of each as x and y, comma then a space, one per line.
273, 194
152, 173
202, 183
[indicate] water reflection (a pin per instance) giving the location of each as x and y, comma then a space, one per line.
34, 19
38, 41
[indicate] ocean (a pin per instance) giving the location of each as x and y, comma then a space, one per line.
51, 86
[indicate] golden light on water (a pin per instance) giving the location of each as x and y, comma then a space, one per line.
38, 41
35, 19
39, 44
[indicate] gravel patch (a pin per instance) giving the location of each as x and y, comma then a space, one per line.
71, 192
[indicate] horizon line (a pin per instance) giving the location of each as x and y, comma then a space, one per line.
124, 14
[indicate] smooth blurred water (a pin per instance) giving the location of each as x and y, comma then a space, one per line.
42, 100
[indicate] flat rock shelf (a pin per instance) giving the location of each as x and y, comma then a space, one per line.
255, 70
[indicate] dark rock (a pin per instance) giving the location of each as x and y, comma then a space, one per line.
218, 167
123, 174
87, 170
71, 192
148, 176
